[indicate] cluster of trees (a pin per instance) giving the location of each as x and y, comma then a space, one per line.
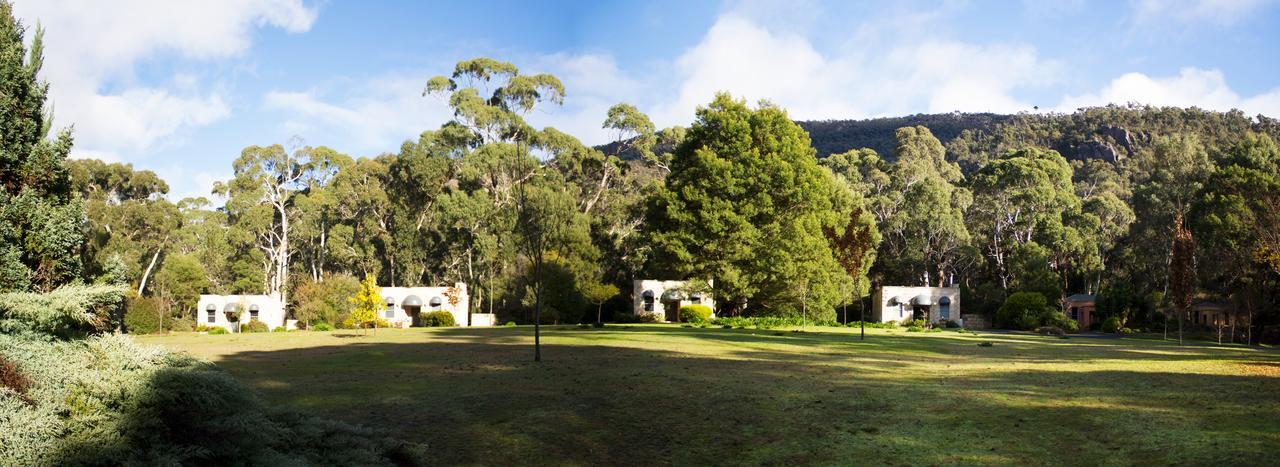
547, 229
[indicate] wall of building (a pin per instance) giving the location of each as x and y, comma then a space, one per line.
399, 317
658, 288
885, 307
270, 310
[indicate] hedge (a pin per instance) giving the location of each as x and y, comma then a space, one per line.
695, 314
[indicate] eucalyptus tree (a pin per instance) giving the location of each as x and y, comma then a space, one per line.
1168, 179
316, 206
920, 209
127, 216
205, 235
261, 204
364, 240
1021, 198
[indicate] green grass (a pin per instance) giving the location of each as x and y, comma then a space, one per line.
646, 394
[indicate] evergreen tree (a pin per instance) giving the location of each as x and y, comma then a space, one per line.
744, 208
40, 216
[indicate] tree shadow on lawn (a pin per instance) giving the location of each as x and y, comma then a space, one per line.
474, 397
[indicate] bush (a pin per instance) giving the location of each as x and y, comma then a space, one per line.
321, 327
128, 404
1023, 311
872, 324
1111, 325
142, 316
915, 329
510, 324
597, 325
255, 326
696, 314
629, 318
218, 330
279, 329
179, 325
985, 344
69, 311
771, 322
1051, 331
201, 328
438, 319
952, 324
919, 323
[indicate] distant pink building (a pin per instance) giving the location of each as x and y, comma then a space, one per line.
1080, 307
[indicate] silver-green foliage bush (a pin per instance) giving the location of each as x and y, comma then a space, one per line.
68, 311
107, 400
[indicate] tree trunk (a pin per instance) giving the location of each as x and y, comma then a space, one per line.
537, 310
283, 265
142, 284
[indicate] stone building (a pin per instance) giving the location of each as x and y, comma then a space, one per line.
231, 311
663, 299
932, 304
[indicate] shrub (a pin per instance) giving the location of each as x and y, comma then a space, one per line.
872, 324
1051, 331
129, 404
142, 316
1023, 311
201, 328
597, 325
279, 329
321, 327
952, 324
1111, 325
985, 344
179, 325
255, 326
11, 377
218, 330
914, 329
437, 319
770, 322
629, 318
695, 314
69, 311
325, 301
920, 323
510, 324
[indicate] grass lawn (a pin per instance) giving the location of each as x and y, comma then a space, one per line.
646, 394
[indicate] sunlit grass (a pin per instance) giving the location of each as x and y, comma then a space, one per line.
645, 394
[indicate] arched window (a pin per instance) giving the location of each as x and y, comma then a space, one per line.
436, 302
212, 311
647, 296
944, 307
253, 312
390, 311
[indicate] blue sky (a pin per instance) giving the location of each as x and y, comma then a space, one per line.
180, 87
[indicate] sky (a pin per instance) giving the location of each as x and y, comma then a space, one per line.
180, 87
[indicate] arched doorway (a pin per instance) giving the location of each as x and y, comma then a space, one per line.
413, 307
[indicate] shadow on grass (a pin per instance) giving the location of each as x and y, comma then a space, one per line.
715, 396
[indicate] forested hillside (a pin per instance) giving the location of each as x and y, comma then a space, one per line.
1110, 133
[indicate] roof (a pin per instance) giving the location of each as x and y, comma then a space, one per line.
1082, 297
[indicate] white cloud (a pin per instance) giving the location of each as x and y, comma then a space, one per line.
861, 80
93, 50
366, 118
1192, 87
